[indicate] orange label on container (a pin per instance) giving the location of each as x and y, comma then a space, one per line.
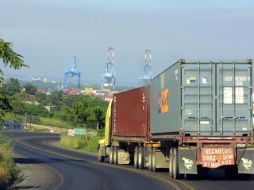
216, 157
163, 101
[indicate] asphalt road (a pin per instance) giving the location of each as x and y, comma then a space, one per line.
82, 171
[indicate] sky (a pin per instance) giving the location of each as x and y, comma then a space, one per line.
48, 33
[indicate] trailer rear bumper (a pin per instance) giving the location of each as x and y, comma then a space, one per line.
189, 159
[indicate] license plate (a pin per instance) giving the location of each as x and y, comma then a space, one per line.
216, 157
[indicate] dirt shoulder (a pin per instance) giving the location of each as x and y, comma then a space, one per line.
36, 175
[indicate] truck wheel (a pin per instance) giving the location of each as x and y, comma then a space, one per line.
101, 156
115, 155
141, 158
176, 174
136, 157
154, 169
170, 163
150, 159
111, 155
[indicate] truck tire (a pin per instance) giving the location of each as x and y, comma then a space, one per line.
111, 155
150, 159
136, 157
101, 156
170, 162
115, 155
154, 169
141, 158
175, 170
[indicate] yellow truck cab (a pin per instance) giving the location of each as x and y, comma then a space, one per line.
104, 144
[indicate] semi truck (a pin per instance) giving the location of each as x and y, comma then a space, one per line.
195, 114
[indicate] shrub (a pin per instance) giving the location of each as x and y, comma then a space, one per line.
9, 173
86, 143
37, 110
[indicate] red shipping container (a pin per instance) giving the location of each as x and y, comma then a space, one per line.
130, 113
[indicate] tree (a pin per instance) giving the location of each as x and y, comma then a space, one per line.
41, 98
99, 113
56, 99
81, 110
13, 60
17, 106
4, 105
11, 87
10, 58
30, 89
36, 110
70, 100
87, 111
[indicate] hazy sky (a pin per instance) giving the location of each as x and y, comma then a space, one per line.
49, 32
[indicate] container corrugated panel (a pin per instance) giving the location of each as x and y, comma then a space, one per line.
201, 98
130, 112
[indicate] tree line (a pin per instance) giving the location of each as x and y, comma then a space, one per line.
77, 110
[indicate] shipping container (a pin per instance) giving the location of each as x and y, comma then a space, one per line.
193, 114
128, 126
130, 113
203, 98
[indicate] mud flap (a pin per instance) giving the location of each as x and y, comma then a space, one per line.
245, 160
187, 161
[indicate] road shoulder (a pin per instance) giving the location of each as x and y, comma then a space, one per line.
36, 175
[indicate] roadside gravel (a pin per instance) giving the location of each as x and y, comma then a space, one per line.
36, 174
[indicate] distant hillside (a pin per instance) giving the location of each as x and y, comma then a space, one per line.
49, 86
56, 86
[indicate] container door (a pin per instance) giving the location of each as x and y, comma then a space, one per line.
234, 99
198, 98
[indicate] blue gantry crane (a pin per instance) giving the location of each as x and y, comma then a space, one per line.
109, 76
72, 71
147, 69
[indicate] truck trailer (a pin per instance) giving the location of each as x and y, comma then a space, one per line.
195, 114
127, 126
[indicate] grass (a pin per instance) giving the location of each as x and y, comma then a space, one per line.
12, 116
85, 143
53, 122
9, 173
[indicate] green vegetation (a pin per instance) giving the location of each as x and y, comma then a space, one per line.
10, 58
11, 87
87, 143
28, 105
30, 89
54, 109
55, 122
11, 116
9, 173
88, 112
